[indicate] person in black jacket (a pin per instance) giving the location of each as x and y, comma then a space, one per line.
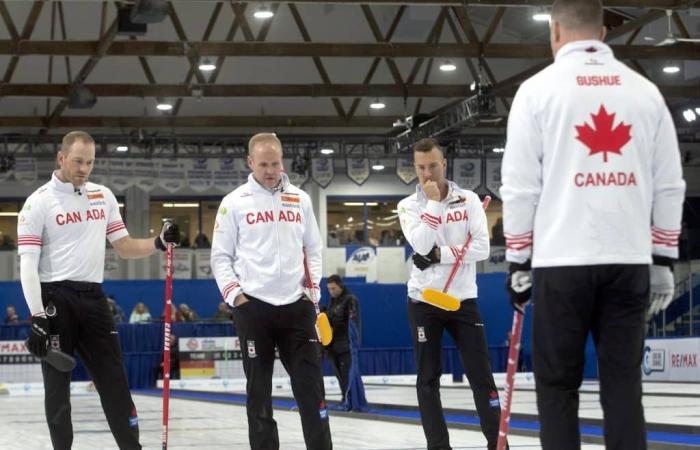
342, 308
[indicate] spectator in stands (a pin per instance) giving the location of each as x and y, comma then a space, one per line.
343, 307
497, 233
115, 309
174, 316
223, 313
186, 314
140, 313
333, 240
201, 241
11, 316
7, 243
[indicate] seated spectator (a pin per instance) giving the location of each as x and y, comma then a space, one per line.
201, 241
115, 309
7, 243
140, 313
186, 314
174, 316
11, 317
333, 240
223, 313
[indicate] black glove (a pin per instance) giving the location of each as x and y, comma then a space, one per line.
425, 261
519, 285
170, 232
38, 342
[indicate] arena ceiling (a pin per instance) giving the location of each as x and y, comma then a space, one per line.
312, 68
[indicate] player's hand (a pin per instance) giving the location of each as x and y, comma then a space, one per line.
240, 299
432, 191
661, 285
169, 233
519, 285
425, 261
38, 342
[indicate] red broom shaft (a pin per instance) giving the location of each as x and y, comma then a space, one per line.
166, 340
513, 355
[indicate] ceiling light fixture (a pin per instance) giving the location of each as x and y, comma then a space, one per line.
671, 69
448, 66
327, 151
164, 106
122, 148
206, 65
377, 104
263, 13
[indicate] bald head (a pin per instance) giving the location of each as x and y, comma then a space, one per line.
575, 20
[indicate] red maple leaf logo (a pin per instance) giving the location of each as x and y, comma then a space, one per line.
604, 138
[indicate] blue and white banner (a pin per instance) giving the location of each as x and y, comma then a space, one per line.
466, 172
121, 174
493, 177
145, 173
322, 171
225, 174
202, 267
100, 172
200, 174
361, 262
296, 179
405, 170
357, 169
25, 170
172, 175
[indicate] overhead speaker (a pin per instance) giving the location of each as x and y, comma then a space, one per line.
81, 98
149, 11
126, 26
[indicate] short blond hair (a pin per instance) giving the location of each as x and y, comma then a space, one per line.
74, 136
578, 14
263, 138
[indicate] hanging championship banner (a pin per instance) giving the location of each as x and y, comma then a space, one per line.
121, 174
240, 171
25, 170
171, 175
322, 171
224, 174
182, 264
145, 173
202, 267
113, 267
100, 172
45, 168
466, 172
295, 178
493, 176
5, 175
357, 170
405, 170
200, 174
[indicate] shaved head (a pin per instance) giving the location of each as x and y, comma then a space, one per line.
580, 15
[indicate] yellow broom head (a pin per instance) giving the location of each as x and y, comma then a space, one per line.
325, 332
440, 299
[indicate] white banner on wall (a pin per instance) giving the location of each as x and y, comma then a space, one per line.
493, 177
25, 170
322, 171
676, 359
145, 173
200, 174
182, 264
172, 175
362, 262
202, 266
357, 169
405, 170
466, 172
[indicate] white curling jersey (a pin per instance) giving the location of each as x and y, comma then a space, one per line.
591, 171
259, 240
67, 228
447, 223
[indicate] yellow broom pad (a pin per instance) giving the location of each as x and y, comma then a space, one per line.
440, 299
325, 332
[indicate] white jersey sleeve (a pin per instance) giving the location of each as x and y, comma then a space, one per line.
669, 189
521, 175
31, 286
30, 226
420, 227
312, 245
223, 252
115, 225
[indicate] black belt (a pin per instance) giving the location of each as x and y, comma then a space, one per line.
80, 286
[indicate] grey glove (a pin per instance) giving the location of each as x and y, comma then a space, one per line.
661, 284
